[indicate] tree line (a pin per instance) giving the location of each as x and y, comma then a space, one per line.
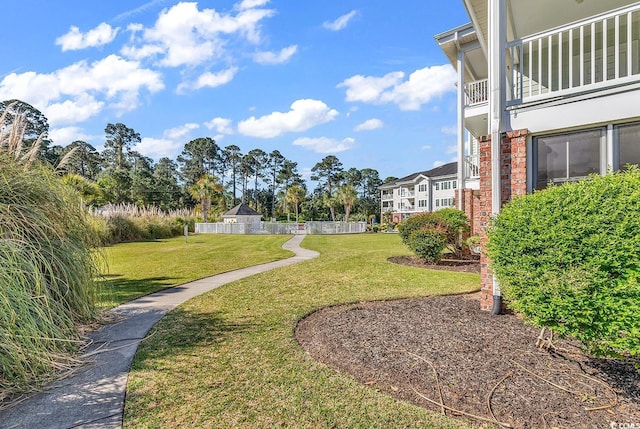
204, 173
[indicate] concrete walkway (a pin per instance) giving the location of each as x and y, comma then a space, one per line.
94, 396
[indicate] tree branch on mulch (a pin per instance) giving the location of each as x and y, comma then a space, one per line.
604, 407
507, 375
441, 404
442, 407
453, 410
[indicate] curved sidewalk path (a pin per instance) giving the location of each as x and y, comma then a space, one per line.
94, 397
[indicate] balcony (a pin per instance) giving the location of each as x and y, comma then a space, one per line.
594, 54
476, 93
471, 167
407, 208
385, 197
407, 194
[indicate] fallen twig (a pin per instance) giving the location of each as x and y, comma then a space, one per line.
615, 395
442, 407
453, 410
507, 375
544, 379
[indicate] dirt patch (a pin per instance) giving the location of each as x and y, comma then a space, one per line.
460, 265
485, 364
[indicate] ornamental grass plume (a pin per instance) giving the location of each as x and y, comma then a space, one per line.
47, 268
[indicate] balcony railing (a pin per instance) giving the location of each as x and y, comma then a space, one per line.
387, 196
406, 208
476, 92
599, 52
407, 194
471, 166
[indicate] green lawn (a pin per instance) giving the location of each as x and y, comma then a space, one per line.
137, 269
228, 358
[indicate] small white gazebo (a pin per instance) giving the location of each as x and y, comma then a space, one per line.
242, 213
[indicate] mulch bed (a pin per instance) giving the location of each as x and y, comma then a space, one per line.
484, 364
470, 265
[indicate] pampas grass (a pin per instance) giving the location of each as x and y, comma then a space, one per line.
127, 222
47, 269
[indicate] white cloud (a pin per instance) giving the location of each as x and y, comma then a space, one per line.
451, 130
111, 82
369, 124
158, 148
250, 4
451, 149
369, 89
139, 9
66, 135
185, 35
73, 111
325, 144
426, 147
270, 58
304, 114
181, 131
169, 145
99, 36
209, 80
420, 88
437, 164
221, 125
341, 22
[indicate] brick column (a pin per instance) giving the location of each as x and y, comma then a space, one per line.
471, 207
513, 182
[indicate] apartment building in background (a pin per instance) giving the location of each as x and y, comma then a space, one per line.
426, 191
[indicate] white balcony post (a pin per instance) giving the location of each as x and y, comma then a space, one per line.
460, 126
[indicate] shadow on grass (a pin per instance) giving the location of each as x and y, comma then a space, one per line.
114, 290
182, 331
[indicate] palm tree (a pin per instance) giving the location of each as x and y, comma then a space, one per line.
295, 195
205, 189
348, 196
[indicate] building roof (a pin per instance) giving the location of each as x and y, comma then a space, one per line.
449, 169
242, 210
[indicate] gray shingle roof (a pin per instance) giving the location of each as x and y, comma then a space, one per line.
242, 210
444, 170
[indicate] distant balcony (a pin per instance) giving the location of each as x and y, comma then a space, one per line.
597, 53
407, 208
472, 167
387, 197
407, 194
476, 92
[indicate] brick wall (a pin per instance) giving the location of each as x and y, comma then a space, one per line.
513, 178
471, 206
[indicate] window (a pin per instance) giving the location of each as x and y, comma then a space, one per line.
437, 186
437, 202
422, 187
563, 157
629, 144
422, 203
455, 184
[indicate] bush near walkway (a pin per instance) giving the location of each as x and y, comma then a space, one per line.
567, 258
47, 268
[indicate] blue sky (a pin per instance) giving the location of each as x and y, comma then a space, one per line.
360, 79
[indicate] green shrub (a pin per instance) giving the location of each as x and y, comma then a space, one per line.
428, 243
567, 258
452, 222
415, 223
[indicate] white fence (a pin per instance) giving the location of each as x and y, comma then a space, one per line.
281, 228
